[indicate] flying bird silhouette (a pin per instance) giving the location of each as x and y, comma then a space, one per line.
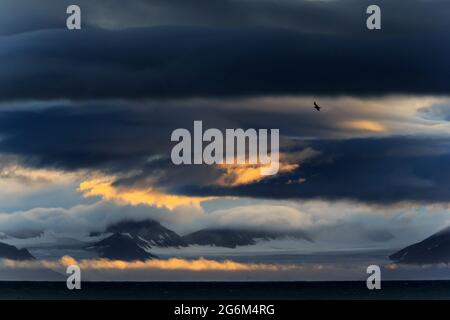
316, 106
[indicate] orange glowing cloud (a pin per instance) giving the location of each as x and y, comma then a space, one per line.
241, 174
103, 187
197, 265
365, 125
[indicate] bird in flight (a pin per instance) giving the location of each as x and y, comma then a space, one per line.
316, 106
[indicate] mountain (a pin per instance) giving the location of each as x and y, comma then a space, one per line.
132, 240
147, 233
434, 249
120, 247
231, 238
11, 252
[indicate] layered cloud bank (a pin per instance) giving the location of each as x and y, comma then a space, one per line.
336, 156
315, 17
210, 62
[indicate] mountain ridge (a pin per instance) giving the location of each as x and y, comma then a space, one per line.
234, 237
11, 252
120, 247
434, 249
133, 240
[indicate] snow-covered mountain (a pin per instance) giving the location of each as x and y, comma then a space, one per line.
133, 240
120, 247
138, 240
148, 233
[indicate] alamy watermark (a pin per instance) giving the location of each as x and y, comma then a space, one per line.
373, 22
236, 146
374, 280
74, 278
73, 21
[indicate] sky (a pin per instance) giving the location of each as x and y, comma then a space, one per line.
86, 116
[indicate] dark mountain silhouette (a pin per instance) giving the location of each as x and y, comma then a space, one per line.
120, 247
143, 235
10, 252
434, 249
231, 238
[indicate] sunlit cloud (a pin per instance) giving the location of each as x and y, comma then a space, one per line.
348, 116
36, 175
364, 125
16, 178
241, 174
25, 187
200, 264
104, 188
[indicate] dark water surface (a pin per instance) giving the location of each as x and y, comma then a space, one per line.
226, 290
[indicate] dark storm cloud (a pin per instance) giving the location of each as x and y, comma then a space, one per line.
194, 62
129, 141
379, 171
339, 16
134, 144
114, 139
29, 15
75, 138
123, 136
